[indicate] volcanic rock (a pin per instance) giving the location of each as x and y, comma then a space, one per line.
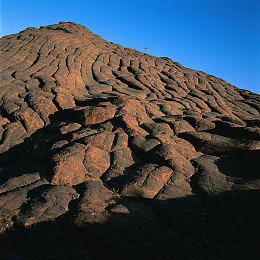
108, 152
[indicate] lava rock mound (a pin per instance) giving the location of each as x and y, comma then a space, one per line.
106, 151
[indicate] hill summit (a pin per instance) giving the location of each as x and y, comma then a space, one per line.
106, 151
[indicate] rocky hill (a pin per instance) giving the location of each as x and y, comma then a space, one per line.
108, 152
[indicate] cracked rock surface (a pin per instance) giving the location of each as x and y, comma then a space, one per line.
106, 151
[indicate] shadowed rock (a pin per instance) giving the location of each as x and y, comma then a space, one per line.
108, 152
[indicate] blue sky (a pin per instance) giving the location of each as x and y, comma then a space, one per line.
220, 37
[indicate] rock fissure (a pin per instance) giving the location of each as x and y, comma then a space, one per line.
153, 159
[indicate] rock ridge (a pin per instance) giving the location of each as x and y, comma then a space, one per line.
124, 150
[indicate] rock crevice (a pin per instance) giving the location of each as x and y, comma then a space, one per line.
154, 159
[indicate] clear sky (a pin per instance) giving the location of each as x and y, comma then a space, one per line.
220, 37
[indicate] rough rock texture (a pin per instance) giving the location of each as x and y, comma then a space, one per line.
108, 152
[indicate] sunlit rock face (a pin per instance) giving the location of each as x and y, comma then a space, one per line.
106, 151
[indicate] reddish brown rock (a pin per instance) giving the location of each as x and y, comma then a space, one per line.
81, 133
182, 146
64, 99
200, 124
42, 104
158, 128
105, 146
68, 167
96, 161
147, 180
13, 134
30, 119
167, 154
91, 115
178, 125
103, 141
131, 126
121, 160
178, 186
69, 128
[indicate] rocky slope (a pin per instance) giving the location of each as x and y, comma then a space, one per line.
110, 152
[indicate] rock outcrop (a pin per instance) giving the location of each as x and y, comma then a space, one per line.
109, 152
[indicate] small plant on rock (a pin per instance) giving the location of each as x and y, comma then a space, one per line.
116, 193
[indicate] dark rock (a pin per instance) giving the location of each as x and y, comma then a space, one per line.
108, 152
215, 144
208, 179
90, 115
143, 145
147, 180
11, 202
166, 154
200, 124
92, 203
19, 181
45, 203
